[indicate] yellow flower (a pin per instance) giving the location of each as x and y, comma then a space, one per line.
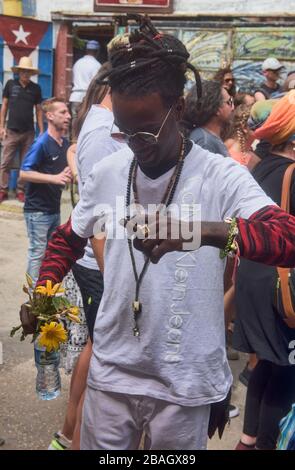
73, 318
52, 334
29, 280
49, 290
74, 310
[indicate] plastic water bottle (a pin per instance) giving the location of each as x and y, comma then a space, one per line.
48, 384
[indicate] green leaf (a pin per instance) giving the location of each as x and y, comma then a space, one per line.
57, 302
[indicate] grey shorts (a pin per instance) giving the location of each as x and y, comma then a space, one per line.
115, 421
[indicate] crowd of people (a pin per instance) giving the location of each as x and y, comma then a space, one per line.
155, 364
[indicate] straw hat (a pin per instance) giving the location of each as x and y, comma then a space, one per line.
25, 63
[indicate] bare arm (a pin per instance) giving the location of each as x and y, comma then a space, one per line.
4, 109
268, 236
39, 116
71, 159
98, 247
36, 177
229, 306
259, 96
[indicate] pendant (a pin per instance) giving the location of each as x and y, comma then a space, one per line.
136, 307
136, 331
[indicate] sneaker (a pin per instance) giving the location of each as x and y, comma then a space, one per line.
20, 197
233, 411
3, 196
60, 442
245, 375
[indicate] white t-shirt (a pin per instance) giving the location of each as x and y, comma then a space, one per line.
180, 355
83, 72
94, 144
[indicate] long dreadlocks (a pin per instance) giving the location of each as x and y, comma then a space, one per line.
150, 62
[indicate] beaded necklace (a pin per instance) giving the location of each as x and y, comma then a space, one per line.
166, 201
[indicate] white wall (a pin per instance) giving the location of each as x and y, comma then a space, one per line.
224, 7
44, 8
205, 7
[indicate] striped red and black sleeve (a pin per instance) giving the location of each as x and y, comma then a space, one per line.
268, 236
64, 249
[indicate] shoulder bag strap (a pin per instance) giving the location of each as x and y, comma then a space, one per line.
285, 272
285, 199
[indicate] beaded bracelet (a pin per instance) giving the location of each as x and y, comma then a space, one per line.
231, 246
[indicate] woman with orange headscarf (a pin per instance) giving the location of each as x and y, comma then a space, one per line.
258, 327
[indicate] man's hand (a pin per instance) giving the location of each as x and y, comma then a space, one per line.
3, 133
64, 177
157, 234
28, 320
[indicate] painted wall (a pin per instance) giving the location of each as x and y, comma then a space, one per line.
204, 7
19, 7
235, 7
78, 6
243, 48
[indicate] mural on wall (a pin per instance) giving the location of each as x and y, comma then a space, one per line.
257, 43
25, 37
243, 48
252, 46
208, 49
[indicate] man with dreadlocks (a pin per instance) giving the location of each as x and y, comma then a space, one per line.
159, 359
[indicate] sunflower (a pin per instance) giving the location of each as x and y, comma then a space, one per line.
52, 334
49, 290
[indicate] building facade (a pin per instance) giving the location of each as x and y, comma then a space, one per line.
216, 32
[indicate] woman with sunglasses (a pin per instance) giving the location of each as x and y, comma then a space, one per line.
226, 78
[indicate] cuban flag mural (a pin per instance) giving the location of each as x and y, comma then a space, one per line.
20, 37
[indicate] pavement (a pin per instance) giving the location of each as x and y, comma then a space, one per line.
27, 423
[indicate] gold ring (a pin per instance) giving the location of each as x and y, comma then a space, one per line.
143, 230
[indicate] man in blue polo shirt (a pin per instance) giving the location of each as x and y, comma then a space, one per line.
46, 171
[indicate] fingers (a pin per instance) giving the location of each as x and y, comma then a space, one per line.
67, 171
145, 246
66, 179
155, 249
160, 250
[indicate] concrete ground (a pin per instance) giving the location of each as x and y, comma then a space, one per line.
25, 421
